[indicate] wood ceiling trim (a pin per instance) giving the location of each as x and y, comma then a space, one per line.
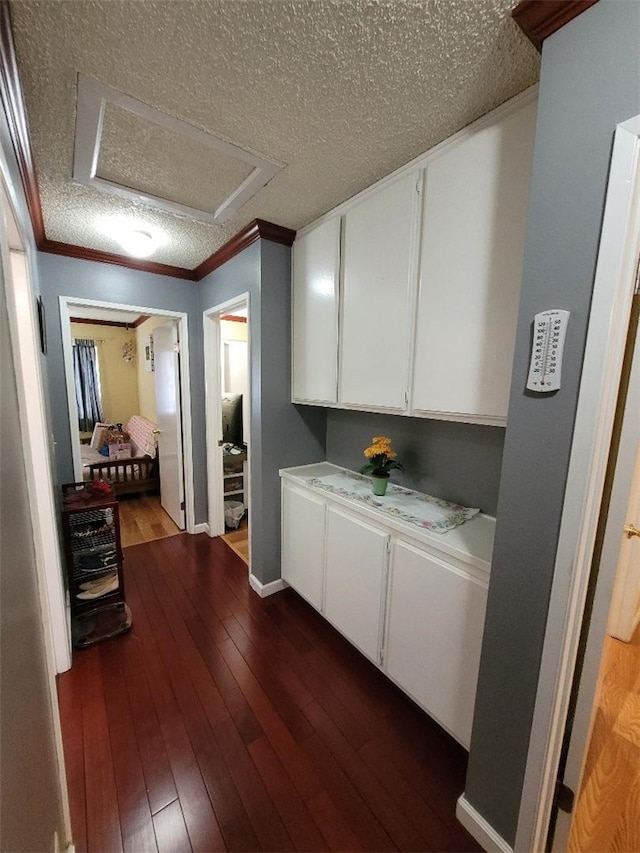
539, 19
259, 229
69, 250
12, 100
89, 321
13, 103
233, 318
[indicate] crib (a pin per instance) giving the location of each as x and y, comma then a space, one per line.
140, 472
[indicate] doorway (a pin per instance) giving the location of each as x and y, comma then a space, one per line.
227, 342
603, 746
614, 285
124, 339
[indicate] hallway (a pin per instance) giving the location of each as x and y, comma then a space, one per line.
226, 721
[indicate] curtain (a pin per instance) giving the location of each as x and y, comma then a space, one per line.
87, 382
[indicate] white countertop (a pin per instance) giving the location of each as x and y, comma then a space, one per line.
471, 541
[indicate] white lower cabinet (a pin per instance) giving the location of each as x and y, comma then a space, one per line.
355, 576
435, 617
411, 600
303, 520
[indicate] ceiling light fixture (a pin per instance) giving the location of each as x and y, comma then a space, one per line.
138, 243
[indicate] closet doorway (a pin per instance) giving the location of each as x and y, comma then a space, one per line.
124, 341
228, 414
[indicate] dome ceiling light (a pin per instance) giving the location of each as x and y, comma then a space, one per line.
138, 243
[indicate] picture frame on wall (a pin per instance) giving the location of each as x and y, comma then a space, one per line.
148, 354
42, 324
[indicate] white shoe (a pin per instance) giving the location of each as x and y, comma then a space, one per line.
92, 586
89, 594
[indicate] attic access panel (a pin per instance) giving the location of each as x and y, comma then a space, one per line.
112, 131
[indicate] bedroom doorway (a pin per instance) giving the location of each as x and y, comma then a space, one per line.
228, 414
124, 337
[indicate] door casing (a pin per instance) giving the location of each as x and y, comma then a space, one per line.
615, 281
213, 406
66, 303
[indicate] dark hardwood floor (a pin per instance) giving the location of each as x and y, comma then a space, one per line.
223, 721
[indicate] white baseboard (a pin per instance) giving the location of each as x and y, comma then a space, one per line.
201, 528
477, 826
265, 589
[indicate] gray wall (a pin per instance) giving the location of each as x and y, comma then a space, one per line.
61, 276
29, 788
282, 434
589, 83
458, 462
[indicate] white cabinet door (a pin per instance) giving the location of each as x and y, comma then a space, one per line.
378, 296
433, 637
473, 231
303, 521
316, 265
355, 577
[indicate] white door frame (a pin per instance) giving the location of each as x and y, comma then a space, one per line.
185, 387
609, 570
213, 406
609, 320
26, 345
17, 263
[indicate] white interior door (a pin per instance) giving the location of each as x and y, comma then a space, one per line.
625, 606
167, 381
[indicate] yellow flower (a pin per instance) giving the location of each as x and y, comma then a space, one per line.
381, 447
381, 456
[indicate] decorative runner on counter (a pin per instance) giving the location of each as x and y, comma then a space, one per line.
425, 511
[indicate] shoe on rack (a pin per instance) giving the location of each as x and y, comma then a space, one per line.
87, 595
92, 586
91, 562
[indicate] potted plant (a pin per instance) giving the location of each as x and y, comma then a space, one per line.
382, 459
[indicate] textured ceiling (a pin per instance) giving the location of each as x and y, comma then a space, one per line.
341, 93
139, 154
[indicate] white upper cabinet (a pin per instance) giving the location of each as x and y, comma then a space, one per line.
316, 268
473, 231
378, 294
412, 309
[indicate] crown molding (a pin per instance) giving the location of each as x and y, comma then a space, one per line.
69, 250
259, 229
91, 322
13, 103
539, 19
12, 100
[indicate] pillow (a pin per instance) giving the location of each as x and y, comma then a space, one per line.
99, 432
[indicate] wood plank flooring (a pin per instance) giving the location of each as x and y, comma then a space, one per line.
224, 721
142, 519
238, 540
607, 815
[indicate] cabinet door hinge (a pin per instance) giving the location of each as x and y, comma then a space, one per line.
637, 287
182, 505
564, 797
418, 186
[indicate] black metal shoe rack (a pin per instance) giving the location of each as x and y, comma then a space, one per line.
93, 559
